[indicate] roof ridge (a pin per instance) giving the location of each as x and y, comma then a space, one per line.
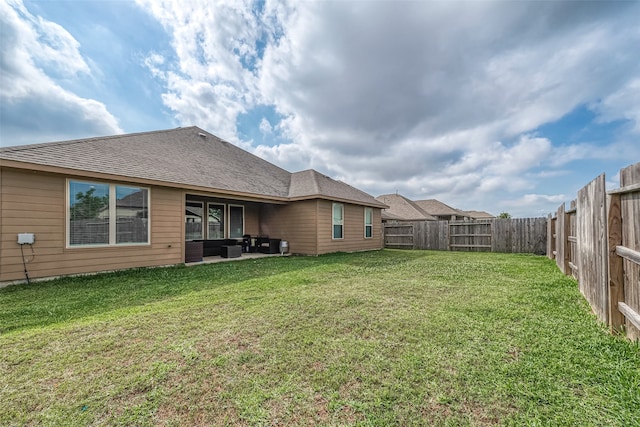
316, 184
311, 173
185, 156
13, 148
441, 203
349, 185
417, 207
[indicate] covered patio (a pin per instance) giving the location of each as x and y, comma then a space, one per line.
221, 228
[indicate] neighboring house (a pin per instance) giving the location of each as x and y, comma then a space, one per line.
127, 206
479, 215
161, 189
402, 209
441, 211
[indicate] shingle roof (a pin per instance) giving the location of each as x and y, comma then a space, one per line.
479, 214
401, 208
186, 156
183, 156
436, 207
310, 183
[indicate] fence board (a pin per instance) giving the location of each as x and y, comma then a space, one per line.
562, 230
551, 237
630, 213
598, 241
592, 236
431, 235
571, 246
473, 236
399, 236
519, 235
616, 268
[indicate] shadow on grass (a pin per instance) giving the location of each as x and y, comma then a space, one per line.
46, 303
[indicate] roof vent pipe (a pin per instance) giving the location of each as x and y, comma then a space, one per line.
202, 135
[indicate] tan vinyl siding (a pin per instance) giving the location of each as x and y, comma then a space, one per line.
294, 222
353, 229
36, 203
251, 219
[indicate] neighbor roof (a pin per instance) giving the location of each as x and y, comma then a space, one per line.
401, 208
188, 157
436, 207
479, 214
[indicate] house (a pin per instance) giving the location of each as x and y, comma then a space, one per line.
479, 215
441, 211
402, 209
135, 200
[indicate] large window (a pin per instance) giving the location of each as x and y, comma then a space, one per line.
215, 221
107, 214
338, 220
193, 215
236, 221
368, 223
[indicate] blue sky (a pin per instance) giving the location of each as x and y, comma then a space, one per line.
496, 106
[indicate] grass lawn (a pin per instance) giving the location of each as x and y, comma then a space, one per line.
378, 338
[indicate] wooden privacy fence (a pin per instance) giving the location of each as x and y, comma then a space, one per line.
597, 241
518, 235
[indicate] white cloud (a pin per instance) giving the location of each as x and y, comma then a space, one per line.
426, 97
216, 46
34, 107
265, 127
622, 104
433, 99
533, 204
534, 199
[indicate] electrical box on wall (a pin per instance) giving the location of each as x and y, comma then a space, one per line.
26, 238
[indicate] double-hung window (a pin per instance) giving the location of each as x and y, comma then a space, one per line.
368, 223
215, 221
338, 221
101, 214
193, 220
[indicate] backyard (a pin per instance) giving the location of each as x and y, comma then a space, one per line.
374, 338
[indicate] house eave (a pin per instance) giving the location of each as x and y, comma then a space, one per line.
338, 199
195, 189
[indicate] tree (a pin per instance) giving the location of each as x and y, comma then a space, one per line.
87, 205
504, 215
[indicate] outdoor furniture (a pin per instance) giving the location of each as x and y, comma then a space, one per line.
193, 252
246, 243
213, 247
233, 251
267, 245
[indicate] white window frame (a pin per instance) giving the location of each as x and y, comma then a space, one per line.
204, 219
369, 225
340, 223
225, 219
112, 215
228, 226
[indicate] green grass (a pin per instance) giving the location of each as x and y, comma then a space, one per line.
379, 338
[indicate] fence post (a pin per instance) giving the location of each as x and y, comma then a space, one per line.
571, 251
566, 262
551, 244
616, 266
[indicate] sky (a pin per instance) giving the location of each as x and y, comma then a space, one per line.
501, 106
